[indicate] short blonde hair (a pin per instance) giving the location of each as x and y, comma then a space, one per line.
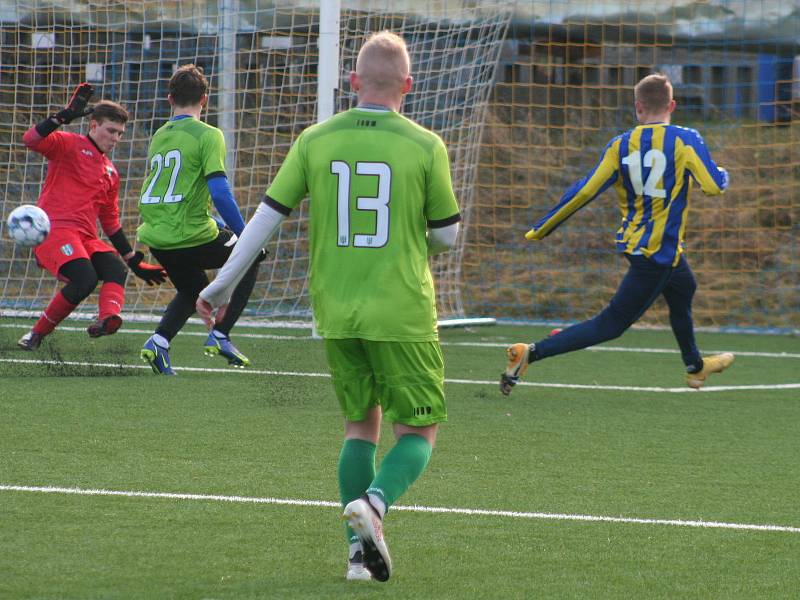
383, 62
654, 93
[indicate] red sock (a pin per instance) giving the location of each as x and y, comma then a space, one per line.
112, 299
56, 311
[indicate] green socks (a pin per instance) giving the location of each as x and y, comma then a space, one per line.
401, 467
356, 472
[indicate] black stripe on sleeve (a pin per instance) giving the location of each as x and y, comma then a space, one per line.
46, 127
277, 206
438, 223
215, 174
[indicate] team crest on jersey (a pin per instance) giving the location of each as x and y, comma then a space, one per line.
67, 250
109, 170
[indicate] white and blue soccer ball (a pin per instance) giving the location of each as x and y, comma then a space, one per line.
28, 225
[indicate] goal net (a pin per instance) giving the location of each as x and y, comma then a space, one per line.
564, 89
263, 68
525, 94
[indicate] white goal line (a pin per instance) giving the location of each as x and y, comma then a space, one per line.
414, 508
572, 386
272, 336
244, 321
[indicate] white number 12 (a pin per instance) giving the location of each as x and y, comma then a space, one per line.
656, 161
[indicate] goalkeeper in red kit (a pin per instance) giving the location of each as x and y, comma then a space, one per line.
82, 187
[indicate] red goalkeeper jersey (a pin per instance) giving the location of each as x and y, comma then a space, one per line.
81, 186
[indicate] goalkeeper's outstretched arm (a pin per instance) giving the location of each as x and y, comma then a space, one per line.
75, 109
150, 274
255, 236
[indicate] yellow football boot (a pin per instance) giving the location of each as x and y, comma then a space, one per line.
716, 363
517, 363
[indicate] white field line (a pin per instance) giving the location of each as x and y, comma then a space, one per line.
148, 332
243, 321
420, 509
270, 336
571, 386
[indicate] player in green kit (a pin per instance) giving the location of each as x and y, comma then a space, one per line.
381, 202
187, 174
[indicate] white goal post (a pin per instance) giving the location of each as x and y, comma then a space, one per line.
273, 72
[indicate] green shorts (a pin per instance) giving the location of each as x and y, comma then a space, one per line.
405, 378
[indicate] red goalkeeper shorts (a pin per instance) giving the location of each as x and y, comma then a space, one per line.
65, 245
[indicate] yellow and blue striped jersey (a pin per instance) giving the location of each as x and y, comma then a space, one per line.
652, 168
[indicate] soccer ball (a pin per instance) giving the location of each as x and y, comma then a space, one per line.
28, 225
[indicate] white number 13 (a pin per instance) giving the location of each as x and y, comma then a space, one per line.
378, 204
656, 161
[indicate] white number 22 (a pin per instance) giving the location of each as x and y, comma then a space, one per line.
159, 163
656, 161
378, 204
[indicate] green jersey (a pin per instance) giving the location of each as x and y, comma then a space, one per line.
175, 203
376, 180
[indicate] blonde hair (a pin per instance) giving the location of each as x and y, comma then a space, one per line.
383, 62
654, 93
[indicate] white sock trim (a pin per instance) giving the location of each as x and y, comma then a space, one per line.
378, 504
354, 547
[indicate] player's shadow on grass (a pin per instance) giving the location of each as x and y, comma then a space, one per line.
52, 362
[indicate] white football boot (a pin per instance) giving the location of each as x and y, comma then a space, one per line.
367, 524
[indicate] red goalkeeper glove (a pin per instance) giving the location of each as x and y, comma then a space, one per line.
152, 274
76, 107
